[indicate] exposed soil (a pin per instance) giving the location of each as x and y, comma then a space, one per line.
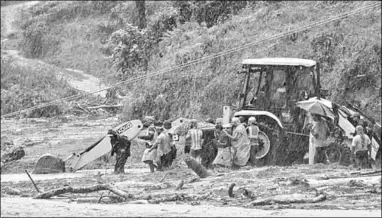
65, 135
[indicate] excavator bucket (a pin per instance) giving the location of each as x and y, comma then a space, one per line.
103, 146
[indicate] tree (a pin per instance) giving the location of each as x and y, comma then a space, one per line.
140, 5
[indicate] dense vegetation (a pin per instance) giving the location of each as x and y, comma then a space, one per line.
103, 38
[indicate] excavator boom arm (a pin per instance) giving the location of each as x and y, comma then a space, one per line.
130, 129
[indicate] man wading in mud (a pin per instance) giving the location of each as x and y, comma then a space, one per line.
120, 146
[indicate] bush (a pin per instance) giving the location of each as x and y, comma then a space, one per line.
23, 87
208, 12
37, 41
201, 90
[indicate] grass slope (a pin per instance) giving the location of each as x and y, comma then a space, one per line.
75, 35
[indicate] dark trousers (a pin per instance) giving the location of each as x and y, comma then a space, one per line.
170, 157
166, 160
361, 159
187, 149
120, 162
252, 156
320, 155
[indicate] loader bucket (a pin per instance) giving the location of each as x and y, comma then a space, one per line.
49, 163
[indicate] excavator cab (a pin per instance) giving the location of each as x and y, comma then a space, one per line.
276, 84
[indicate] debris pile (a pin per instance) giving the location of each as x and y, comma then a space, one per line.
9, 152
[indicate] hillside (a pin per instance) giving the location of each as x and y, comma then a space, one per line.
80, 35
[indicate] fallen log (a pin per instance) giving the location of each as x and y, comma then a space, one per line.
366, 181
356, 195
288, 199
104, 106
199, 169
69, 189
366, 173
178, 197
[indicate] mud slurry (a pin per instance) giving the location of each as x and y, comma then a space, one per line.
214, 189
63, 136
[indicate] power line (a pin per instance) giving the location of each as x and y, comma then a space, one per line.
206, 58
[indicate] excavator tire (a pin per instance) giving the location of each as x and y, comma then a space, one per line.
346, 155
344, 150
274, 155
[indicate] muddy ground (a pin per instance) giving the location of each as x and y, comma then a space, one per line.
197, 198
209, 196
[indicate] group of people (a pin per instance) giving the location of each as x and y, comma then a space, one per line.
160, 149
360, 147
237, 145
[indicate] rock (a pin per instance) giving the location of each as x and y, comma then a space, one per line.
49, 163
15, 154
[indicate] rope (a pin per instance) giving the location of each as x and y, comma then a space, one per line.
226, 52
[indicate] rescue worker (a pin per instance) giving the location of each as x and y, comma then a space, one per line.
163, 147
320, 132
240, 143
120, 147
209, 148
149, 157
219, 121
361, 148
253, 135
169, 135
223, 142
196, 136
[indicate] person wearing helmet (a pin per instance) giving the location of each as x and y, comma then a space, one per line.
196, 136
120, 147
253, 135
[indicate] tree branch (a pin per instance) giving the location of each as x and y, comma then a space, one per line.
68, 189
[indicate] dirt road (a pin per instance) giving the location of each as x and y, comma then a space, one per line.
78, 79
